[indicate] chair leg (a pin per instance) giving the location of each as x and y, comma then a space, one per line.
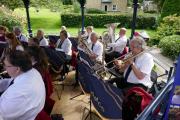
76, 96
57, 91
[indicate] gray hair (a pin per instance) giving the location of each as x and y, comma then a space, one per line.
17, 28
40, 30
138, 42
94, 34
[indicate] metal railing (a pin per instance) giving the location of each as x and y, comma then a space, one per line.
150, 110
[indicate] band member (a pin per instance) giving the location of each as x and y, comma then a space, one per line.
117, 47
65, 44
42, 40
89, 30
33, 41
22, 38
64, 28
96, 47
3, 30
40, 63
3, 44
24, 93
136, 71
13, 42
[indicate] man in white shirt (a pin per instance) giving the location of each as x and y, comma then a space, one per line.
65, 44
137, 71
96, 48
117, 47
42, 40
24, 93
19, 35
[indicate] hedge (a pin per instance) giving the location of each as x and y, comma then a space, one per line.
170, 46
99, 20
94, 11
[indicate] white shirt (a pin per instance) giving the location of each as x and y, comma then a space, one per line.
98, 50
20, 47
176, 99
43, 42
144, 63
66, 46
119, 45
24, 99
89, 38
22, 38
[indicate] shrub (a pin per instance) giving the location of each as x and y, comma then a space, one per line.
169, 26
95, 11
67, 2
99, 20
170, 46
10, 19
170, 7
76, 7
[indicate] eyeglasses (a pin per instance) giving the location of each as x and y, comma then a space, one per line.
8, 66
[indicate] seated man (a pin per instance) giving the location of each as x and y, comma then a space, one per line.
117, 47
22, 38
24, 93
65, 44
96, 47
136, 71
42, 40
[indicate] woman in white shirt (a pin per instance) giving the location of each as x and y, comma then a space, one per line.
64, 44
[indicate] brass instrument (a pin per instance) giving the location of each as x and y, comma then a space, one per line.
126, 57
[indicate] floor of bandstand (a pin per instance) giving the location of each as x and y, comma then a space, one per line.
71, 109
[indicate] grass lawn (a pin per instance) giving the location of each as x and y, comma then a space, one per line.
51, 23
45, 19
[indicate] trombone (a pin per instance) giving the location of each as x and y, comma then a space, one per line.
126, 57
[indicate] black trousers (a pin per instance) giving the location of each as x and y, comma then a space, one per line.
110, 56
122, 84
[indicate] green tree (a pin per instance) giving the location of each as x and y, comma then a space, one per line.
82, 1
67, 2
170, 7
12, 4
159, 4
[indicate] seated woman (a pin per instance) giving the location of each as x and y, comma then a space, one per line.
40, 62
24, 95
13, 42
